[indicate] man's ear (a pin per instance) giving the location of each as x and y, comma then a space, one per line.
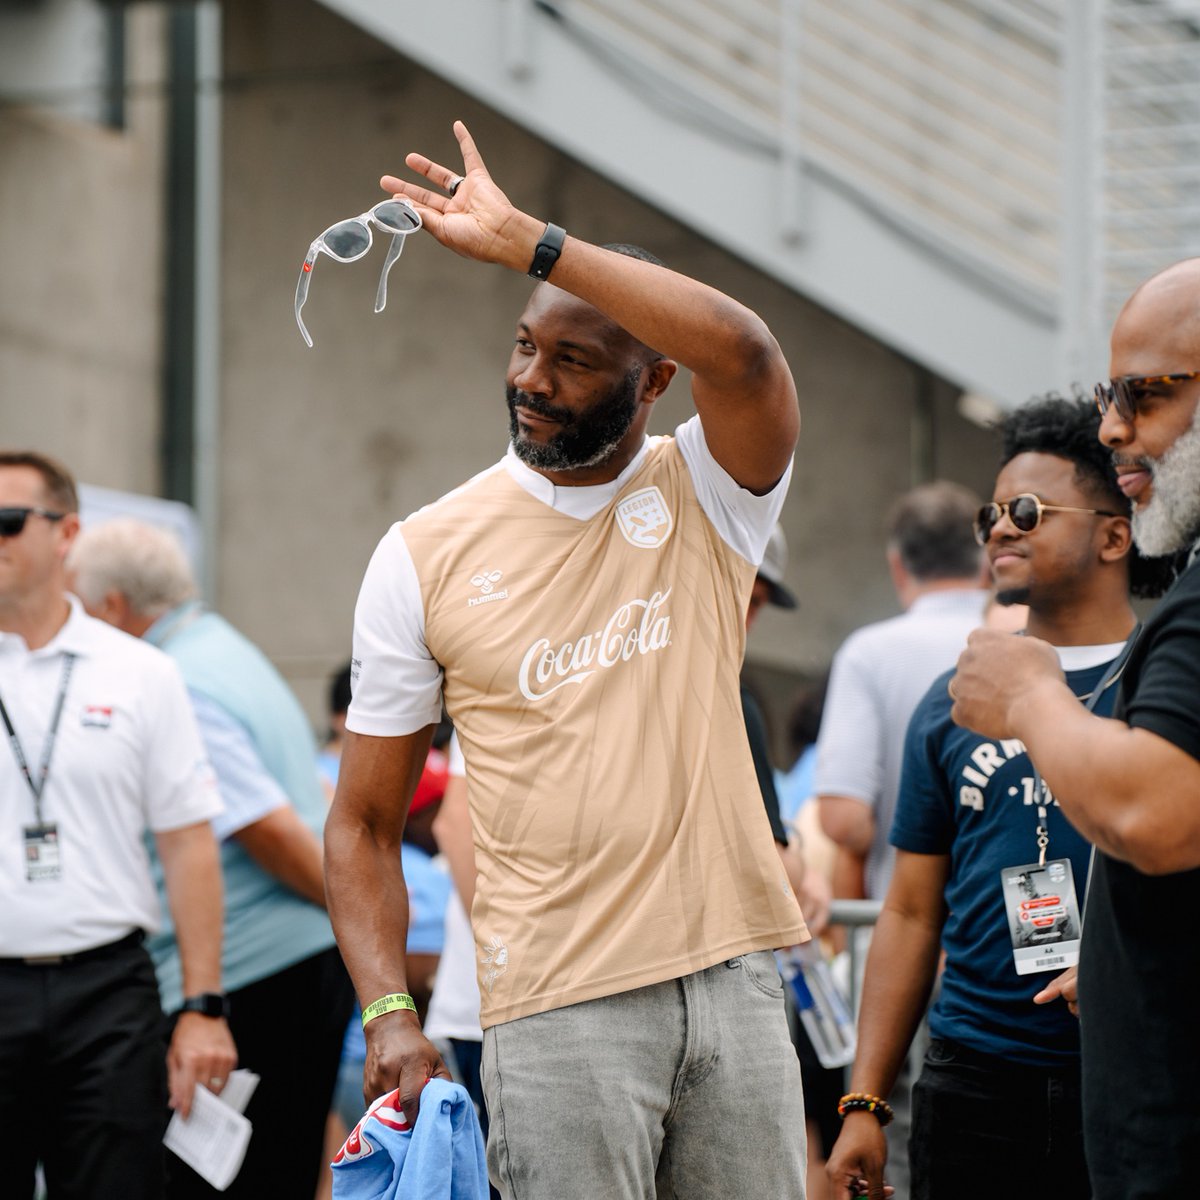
1116, 539
658, 378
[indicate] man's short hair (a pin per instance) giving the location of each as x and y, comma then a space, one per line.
57, 481
931, 529
1070, 429
144, 563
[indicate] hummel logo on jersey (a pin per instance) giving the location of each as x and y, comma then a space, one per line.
486, 582
645, 519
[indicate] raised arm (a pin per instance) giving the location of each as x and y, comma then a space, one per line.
368, 903
742, 386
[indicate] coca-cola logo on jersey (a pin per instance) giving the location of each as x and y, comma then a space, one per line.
638, 627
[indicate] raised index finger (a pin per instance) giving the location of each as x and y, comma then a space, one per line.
472, 159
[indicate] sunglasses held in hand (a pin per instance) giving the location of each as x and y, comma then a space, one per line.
349, 240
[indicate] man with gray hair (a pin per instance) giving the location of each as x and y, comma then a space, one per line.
288, 994
882, 671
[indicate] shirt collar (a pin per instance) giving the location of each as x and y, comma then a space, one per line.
574, 500
945, 600
76, 635
170, 623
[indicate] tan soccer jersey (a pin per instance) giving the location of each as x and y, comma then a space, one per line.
591, 670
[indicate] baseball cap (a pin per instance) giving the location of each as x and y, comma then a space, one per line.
773, 567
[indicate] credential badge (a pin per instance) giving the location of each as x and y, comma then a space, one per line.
645, 519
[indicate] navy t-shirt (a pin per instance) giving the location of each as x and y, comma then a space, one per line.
972, 798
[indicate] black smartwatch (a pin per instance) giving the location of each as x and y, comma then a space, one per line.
207, 1004
547, 251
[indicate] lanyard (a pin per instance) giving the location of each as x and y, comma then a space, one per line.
38, 786
1115, 668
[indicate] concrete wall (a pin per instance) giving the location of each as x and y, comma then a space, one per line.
324, 448
80, 252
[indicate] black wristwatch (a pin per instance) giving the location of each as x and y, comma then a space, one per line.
207, 1004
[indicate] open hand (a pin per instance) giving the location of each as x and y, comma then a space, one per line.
477, 221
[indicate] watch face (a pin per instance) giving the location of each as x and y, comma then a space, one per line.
209, 1004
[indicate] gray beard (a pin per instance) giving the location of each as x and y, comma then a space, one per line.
1171, 519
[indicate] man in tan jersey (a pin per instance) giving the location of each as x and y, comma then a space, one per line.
580, 608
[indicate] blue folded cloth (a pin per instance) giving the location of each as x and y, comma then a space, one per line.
440, 1158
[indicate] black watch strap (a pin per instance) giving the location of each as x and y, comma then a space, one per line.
547, 251
208, 1004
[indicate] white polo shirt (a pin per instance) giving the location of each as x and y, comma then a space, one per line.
127, 758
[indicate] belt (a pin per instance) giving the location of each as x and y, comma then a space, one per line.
131, 939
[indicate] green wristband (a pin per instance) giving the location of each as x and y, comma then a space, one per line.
387, 1004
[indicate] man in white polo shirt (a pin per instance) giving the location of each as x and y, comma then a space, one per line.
101, 747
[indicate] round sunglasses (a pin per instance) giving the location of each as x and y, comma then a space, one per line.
12, 520
1025, 513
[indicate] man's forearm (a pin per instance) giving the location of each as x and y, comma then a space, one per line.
1127, 790
285, 847
368, 907
899, 975
192, 873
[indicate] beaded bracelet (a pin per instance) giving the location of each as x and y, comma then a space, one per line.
387, 1004
864, 1102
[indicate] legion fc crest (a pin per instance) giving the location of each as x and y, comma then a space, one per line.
644, 519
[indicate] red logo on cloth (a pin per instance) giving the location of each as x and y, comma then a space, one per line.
385, 1110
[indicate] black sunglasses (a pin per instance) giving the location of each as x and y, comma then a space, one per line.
1124, 392
1025, 512
12, 520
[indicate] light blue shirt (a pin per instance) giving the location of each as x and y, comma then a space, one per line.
248, 791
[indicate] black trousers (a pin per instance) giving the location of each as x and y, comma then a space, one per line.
288, 1029
83, 1077
988, 1128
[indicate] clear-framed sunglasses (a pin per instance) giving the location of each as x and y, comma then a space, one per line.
349, 240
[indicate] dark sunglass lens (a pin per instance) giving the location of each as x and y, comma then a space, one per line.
12, 521
1023, 513
347, 240
1124, 399
985, 522
396, 216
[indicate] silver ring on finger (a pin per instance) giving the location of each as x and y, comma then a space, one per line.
454, 184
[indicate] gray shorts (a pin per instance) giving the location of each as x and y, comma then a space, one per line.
684, 1090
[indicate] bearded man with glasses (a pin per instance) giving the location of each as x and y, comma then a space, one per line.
581, 607
1131, 784
987, 867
